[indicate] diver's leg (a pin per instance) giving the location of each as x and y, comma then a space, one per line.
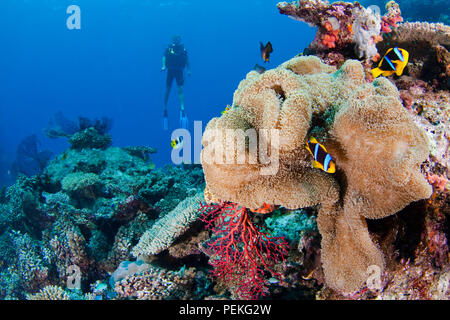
181, 97
166, 95
166, 99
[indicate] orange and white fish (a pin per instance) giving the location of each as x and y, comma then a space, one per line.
322, 159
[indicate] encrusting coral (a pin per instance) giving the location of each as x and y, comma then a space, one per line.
375, 143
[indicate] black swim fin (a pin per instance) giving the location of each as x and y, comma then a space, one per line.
183, 120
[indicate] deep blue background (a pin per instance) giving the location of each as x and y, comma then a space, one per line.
111, 67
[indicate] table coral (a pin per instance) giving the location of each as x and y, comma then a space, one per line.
373, 139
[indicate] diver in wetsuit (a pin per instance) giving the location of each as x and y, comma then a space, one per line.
174, 60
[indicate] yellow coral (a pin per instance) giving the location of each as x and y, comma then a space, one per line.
376, 146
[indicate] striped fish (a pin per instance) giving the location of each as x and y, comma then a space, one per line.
394, 61
322, 159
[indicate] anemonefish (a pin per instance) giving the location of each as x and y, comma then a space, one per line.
226, 109
266, 50
265, 208
177, 143
394, 61
322, 159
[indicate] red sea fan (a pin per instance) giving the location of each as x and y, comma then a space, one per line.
242, 253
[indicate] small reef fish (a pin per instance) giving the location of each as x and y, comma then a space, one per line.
322, 159
394, 61
308, 276
228, 108
266, 50
265, 208
177, 143
260, 69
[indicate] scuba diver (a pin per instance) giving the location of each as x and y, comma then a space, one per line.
174, 60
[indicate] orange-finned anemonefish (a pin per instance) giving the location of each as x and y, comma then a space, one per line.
226, 109
265, 208
394, 61
266, 50
322, 159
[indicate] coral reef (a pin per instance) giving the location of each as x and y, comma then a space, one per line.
101, 222
432, 11
49, 293
428, 44
342, 26
353, 119
87, 209
89, 138
391, 18
157, 284
335, 18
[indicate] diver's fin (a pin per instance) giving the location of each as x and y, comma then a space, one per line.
165, 121
183, 120
376, 72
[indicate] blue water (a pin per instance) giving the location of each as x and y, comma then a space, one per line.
111, 66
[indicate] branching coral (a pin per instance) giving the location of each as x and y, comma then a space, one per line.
49, 293
157, 284
374, 141
241, 252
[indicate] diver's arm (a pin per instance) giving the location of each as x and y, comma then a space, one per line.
163, 68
